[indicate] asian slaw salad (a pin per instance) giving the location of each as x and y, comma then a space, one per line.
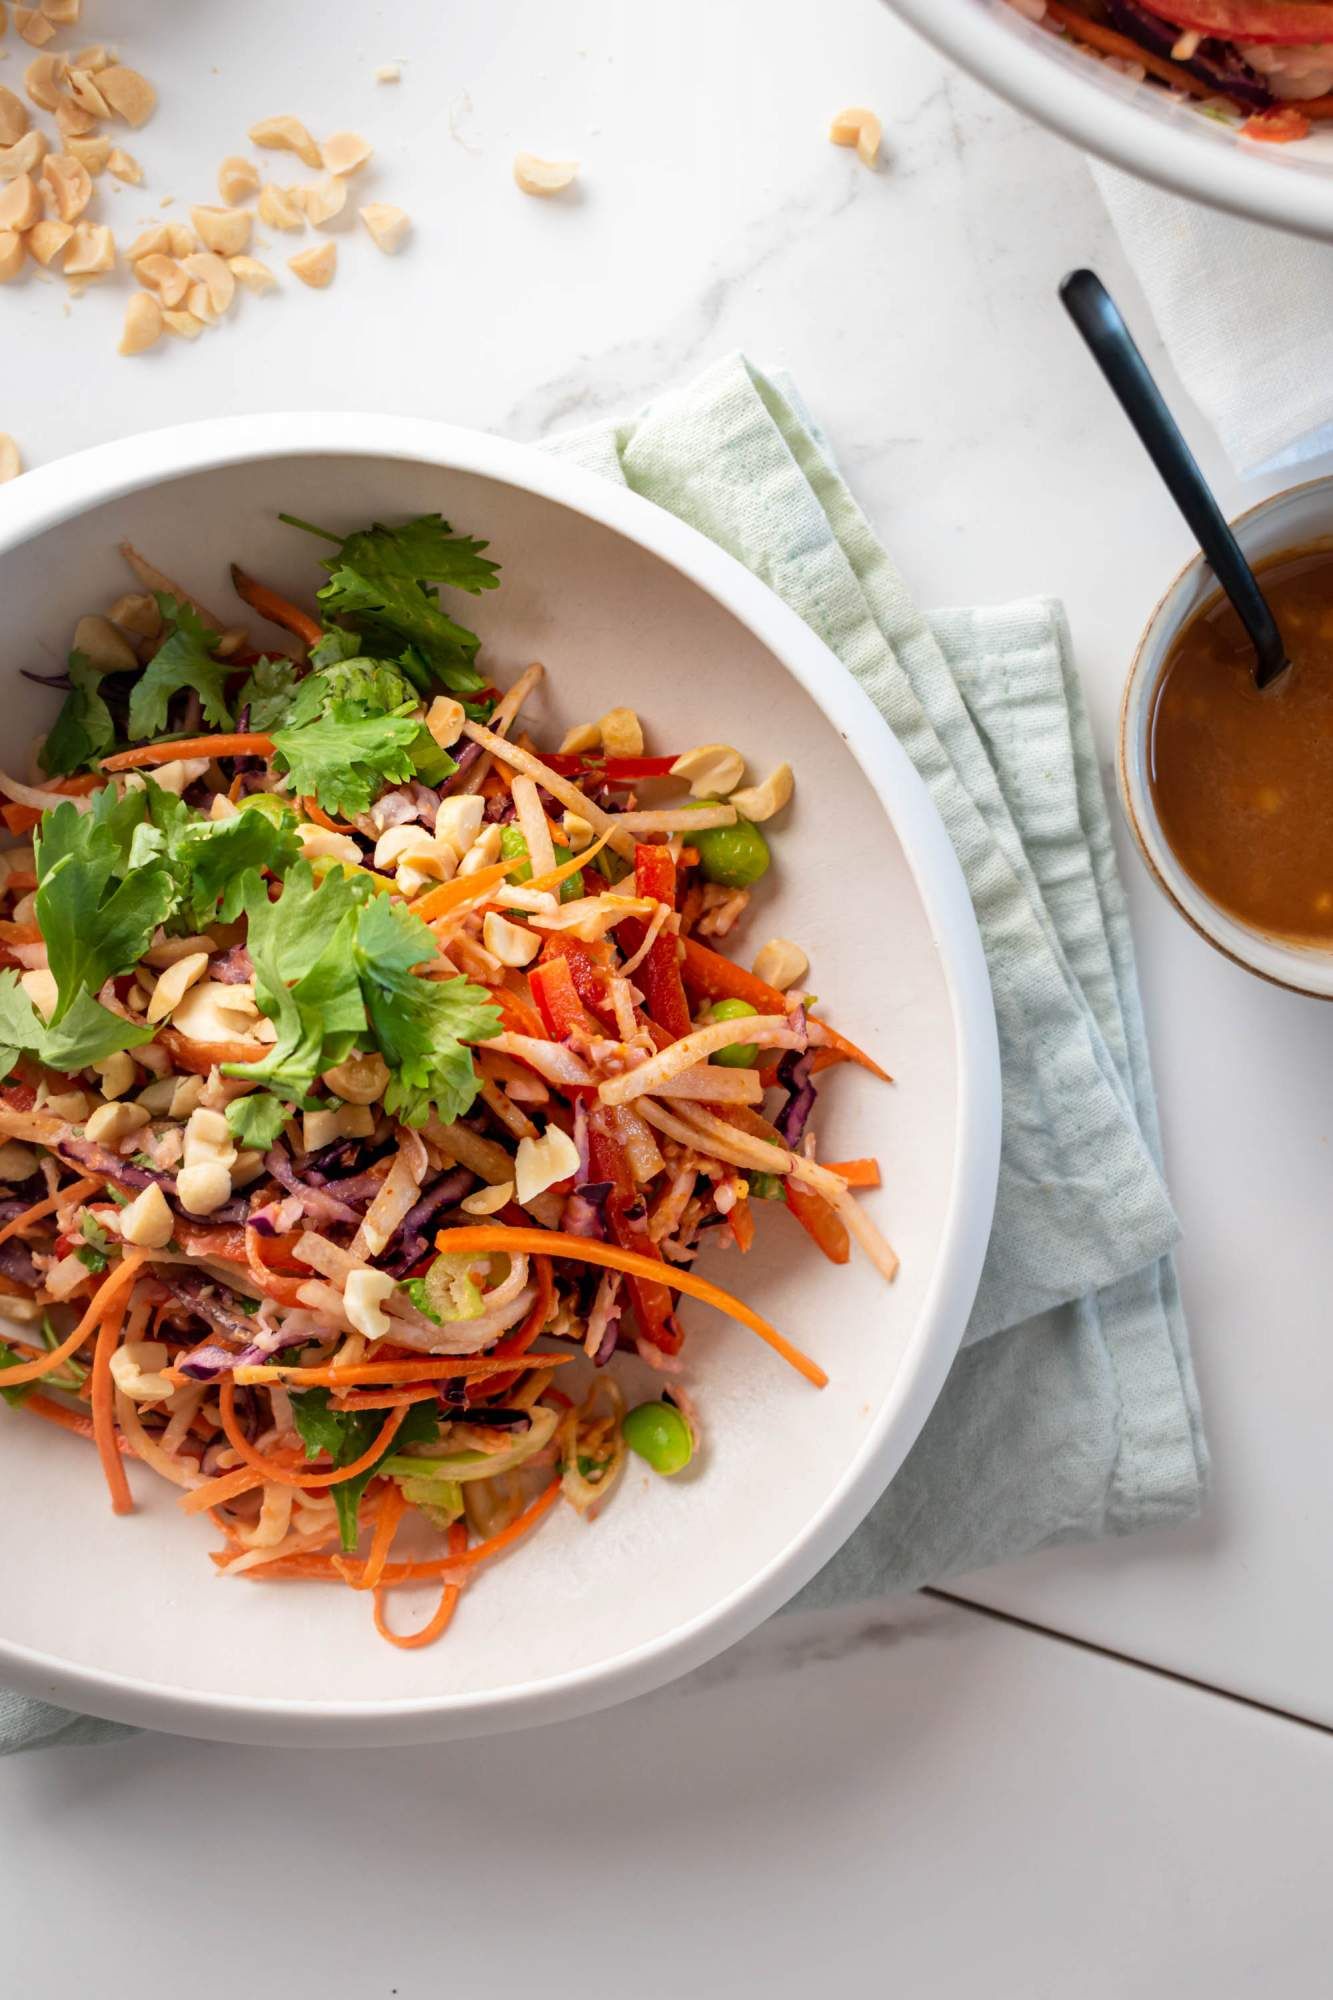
1271, 59
373, 1076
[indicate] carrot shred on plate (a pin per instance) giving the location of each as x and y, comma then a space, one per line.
338, 1569
277, 609
104, 1412
557, 1243
282, 1471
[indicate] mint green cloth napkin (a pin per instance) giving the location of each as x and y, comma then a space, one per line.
1071, 1412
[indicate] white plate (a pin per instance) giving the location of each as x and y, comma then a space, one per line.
126, 1617
1138, 126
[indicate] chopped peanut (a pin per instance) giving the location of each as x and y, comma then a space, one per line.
111, 1123
42, 80
128, 93
67, 184
174, 983
147, 1222
713, 770
143, 324
11, 464
288, 135
215, 275
540, 1163
250, 272
315, 267
513, 944
389, 227
536, 176
183, 324
118, 1073
92, 250
11, 252
364, 1294
488, 1200
72, 121
14, 120
582, 737
93, 152
65, 12
344, 152
167, 278
389, 73
225, 230
137, 614
322, 202
362, 1079
25, 156
860, 128
238, 179
445, 719
98, 639
96, 56
180, 240
203, 1188
152, 242
136, 1369
279, 208
760, 802
33, 26
780, 963
84, 89
621, 733
124, 166
20, 204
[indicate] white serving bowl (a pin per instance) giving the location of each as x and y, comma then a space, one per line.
1290, 520
127, 1617
1137, 126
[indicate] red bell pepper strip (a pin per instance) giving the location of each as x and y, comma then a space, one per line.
589, 968
653, 1304
658, 976
820, 1221
607, 770
709, 976
551, 984
516, 1016
1290, 22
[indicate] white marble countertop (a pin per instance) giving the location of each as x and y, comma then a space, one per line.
828, 1794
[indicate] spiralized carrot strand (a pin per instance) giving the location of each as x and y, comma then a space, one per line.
386, 1527
227, 1486
276, 609
555, 876
76, 1191
110, 1289
389, 1372
284, 1474
315, 812
463, 888
557, 1243
104, 1414
409, 1641
244, 744
337, 1569
385, 1399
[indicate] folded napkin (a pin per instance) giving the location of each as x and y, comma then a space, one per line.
1071, 1411
1263, 379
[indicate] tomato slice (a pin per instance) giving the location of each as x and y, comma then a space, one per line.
1289, 22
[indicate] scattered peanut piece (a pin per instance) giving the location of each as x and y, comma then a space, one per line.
143, 324
315, 267
183, 324
536, 176
107, 648
389, 73
323, 202
216, 277
66, 12
25, 156
198, 302
47, 239
760, 802
150, 242
389, 226
33, 26
279, 208
72, 121
14, 118
10, 462
67, 184
130, 95
93, 152
137, 614
87, 94
42, 80
124, 166
180, 240
96, 56
254, 275
11, 254
238, 180
92, 250
344, 152
780, 963
860, 128
621, 733
20, 204
224, 230
286, 135
165, 276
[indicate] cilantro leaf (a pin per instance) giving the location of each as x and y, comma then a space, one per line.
20, 1023
302, 949
212, 858
83, 729
345, 760
383, 581
257, 1121
369, 687
346, 1435
96, 1249
184, 660
95, 923
421, 1025
8, 1359
267, 694
88, 1033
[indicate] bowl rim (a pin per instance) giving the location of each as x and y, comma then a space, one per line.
1240, 179
1273, 959
50, 495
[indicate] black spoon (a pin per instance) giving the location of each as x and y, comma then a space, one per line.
1097, 317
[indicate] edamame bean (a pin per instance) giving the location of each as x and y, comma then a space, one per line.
659, 1433
741, 1055
733, 856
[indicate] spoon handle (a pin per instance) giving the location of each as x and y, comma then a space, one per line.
1097, 317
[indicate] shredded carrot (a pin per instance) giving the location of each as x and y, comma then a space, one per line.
283, 1472
464, 888
557, 1243
104, 1414
19, 933
325, 1567
227, 1486
856, 1173
200, 1057
385, 1399
99, 1305
429, 1633
243, 744
555, 876
76, 1191
386, 1527
430, 1369
522, 1337
740, 1220
314, 811
276, 609
285, 1290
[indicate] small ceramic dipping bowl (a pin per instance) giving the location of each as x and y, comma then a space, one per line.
1301, 517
